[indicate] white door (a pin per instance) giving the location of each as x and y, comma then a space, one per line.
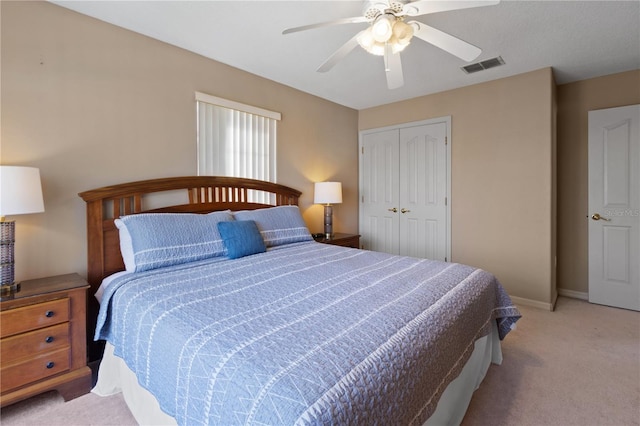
614, 207
423, 186
379, 196
404, 185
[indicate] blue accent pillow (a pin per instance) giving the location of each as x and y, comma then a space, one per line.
155, 240
278, 225
241, 238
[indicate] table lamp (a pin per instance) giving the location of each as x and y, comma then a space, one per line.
20, 193
328, 193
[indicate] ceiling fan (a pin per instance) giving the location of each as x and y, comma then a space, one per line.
390, 31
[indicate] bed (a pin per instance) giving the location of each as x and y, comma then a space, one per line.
217, 309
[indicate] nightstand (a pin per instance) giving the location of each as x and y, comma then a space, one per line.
43, 343
344, 240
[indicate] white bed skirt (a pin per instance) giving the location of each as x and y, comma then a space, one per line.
114, 376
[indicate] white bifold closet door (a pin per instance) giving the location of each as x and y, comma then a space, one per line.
404, 189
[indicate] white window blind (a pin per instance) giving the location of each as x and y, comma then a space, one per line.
236, 140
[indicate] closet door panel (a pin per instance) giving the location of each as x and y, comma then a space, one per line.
380, 163
423, 183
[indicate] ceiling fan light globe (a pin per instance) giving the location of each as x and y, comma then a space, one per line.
376, 49
382, 29
365, 39
402, 32
367, 42
399, 47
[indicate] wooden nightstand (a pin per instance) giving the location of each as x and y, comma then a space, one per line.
345, 240
43, 340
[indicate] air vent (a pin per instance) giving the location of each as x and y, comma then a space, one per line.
483, 65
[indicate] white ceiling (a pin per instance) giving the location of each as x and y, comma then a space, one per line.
579, 39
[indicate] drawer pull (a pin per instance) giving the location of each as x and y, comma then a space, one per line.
50, 364
49, 314
49, 339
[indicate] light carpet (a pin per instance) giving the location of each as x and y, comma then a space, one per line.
579, 365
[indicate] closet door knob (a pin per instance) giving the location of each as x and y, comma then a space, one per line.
393, 210
404, 211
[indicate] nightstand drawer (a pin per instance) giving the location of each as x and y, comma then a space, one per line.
29, 344
32, 317
36, 368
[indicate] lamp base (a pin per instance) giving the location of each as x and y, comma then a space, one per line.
328, 221
9, 289
7, 240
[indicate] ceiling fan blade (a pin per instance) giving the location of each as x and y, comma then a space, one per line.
460, 48
423, 7
393, 69
354, 20
339, 54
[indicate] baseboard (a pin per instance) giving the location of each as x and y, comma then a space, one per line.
553, 302
573, 294
533, 303
550, 306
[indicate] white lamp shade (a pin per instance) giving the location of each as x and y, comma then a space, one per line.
327, 193
20, 190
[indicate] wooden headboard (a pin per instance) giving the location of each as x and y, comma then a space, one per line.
199, 194
205, 194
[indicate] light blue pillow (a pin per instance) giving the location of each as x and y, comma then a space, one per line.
241, 238
278, 225
155, 240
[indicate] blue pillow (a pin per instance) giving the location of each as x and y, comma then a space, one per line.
155, 240
278, 225
241, 238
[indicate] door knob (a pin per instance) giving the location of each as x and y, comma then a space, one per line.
404, 211
596, 216
393, 210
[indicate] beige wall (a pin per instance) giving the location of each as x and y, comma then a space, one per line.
91, 104
574, 102
502, 175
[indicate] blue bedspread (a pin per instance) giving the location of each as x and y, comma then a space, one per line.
306, 333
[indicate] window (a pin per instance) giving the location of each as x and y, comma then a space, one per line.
236, 140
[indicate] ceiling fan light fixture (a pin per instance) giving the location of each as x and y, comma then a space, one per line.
382, 28
397, 47
401, 37
402, 32
367, 42
365, 39
398, 38
374, 9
